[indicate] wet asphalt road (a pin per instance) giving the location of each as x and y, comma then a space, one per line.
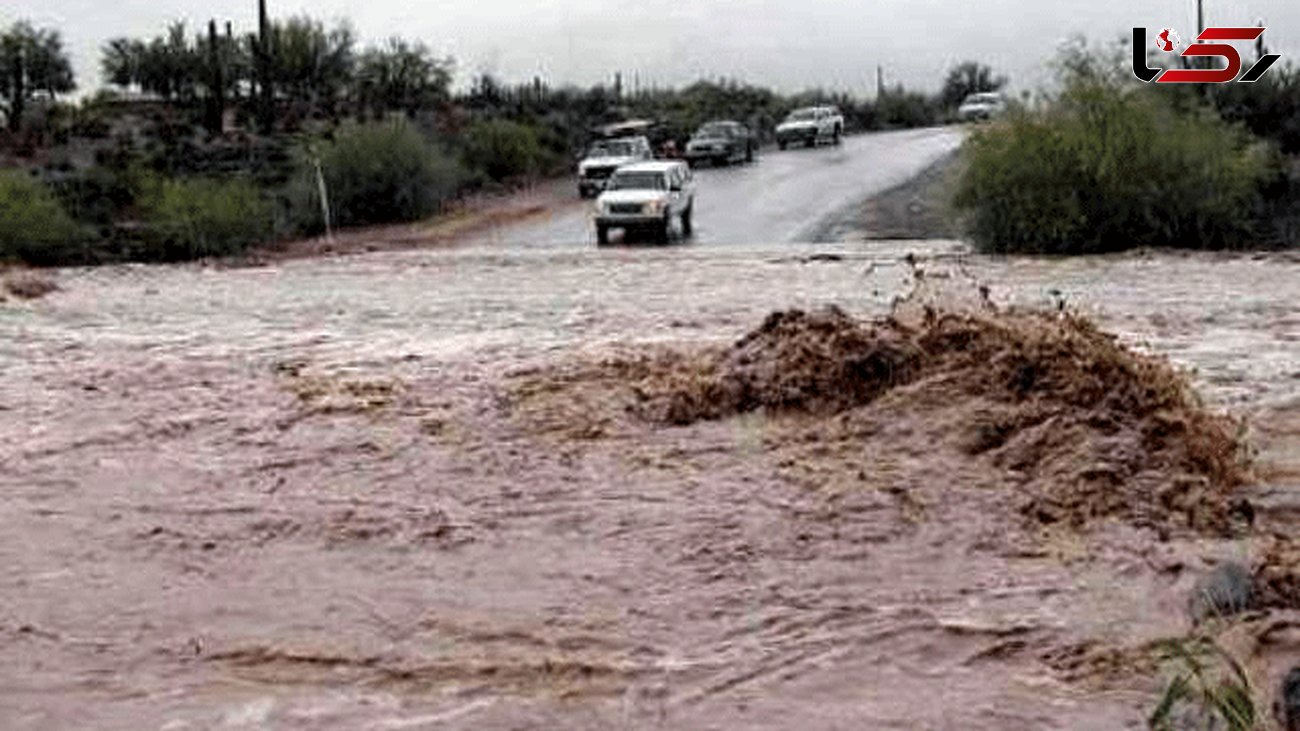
788, 196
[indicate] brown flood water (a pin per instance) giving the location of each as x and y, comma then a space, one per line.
311, 496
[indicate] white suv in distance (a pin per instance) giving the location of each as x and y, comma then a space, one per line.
985, 105
605, 157
809, 125
647, 197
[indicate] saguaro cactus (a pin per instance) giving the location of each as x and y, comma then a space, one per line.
216, 81
266, 86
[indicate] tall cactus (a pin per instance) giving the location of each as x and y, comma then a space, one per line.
216, 81
266, 86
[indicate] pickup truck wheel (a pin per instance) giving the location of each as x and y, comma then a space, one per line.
749, 153
782, 144
838, 133
812, 141
687, 226
602, 235
662, 230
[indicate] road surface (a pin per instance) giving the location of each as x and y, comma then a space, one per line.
784, 197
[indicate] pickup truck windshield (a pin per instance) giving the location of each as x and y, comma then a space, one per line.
637, 181
803, 115
714, 131
612, 149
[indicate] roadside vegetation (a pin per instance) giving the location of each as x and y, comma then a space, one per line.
208, 141
33, 225
1110, 164
372, 173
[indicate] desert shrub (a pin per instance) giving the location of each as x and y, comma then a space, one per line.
1106, 167
34, 227
502, 149
1269, 108
379, 172
195, 218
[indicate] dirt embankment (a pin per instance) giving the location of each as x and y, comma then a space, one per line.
465, 219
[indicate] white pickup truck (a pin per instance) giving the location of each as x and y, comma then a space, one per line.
605, 157
647, 197
809, 126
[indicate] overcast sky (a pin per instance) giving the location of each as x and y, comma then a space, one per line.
790, 44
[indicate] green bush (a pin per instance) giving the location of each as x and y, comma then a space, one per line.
380, 172
899, 109
1107, 168
195, 218
34, 227
1269, 108
502, 150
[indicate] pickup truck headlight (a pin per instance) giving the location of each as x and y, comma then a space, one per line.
654, 208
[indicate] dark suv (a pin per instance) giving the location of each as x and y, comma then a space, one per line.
722, 143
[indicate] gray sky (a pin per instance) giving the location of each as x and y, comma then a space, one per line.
789, 44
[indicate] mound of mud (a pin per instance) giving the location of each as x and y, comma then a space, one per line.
1090, 428
819, 362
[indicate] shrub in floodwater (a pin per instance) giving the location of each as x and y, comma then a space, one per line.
1208, 688
195, 218
34, 227
379, 172
1108, 167
1227, 590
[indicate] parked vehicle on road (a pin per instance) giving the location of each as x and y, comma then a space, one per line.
721, 143
605, 157
809, 126
647, 197
982, 106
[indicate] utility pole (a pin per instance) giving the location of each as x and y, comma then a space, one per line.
880, 82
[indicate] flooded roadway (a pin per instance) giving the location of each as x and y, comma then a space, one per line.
302, 496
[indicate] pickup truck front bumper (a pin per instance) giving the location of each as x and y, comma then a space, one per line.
639, 221
808, 134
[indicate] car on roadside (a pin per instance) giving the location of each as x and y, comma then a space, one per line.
809, 126
982, 106
606, 156
721, 143
647, 197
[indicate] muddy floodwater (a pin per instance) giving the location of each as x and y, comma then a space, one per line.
326, 494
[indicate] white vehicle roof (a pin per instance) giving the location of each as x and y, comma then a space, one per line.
652, 167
